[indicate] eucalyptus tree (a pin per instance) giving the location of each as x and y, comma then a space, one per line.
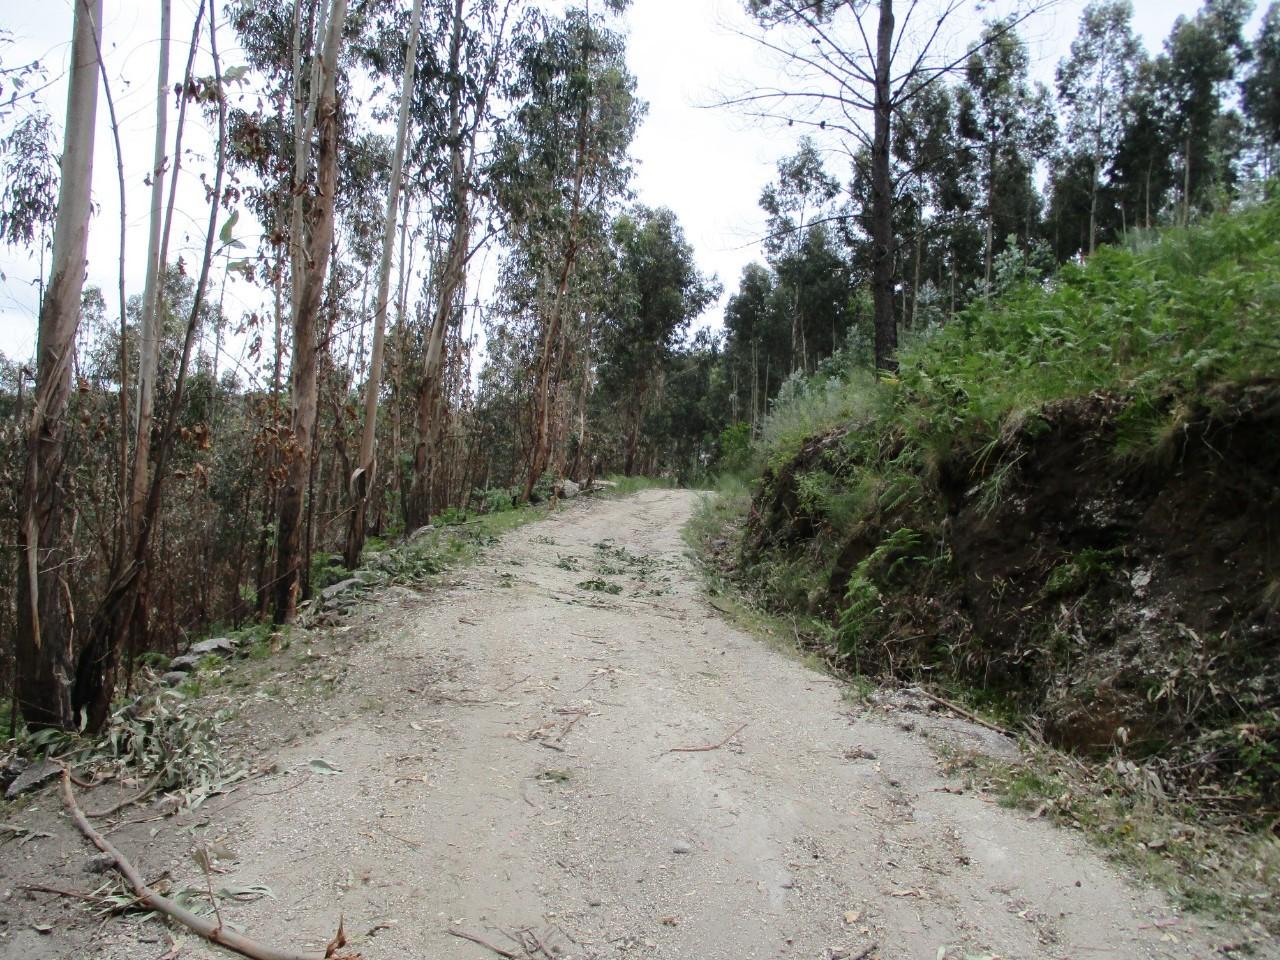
1010, 122
935, 172
157, 239
1141, 171
561, 161
850, 60
1095, 81
453, 114
1261, 89
756, 329
802, 194
362, 480
656, 291
310, 263
29, 169
123, 603
1200, 60
45, 633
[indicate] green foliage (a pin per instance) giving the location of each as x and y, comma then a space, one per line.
544, 488
811, 405
735, 447
1078, 573
863, 597
494, 499
160, 736
1197, 307
599, 585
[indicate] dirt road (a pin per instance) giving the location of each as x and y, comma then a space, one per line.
504, 763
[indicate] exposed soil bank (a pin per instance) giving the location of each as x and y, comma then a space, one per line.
1131, 603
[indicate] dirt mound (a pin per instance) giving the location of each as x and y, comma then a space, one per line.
1131, 602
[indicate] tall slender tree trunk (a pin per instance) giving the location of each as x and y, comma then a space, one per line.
548, 360
451, 276
99, 662
1095, 181
989, 244
45, 634
398, 359
363, 478
915, 278
303, 387
1186, 181
1150, 163
149, 334
886, 328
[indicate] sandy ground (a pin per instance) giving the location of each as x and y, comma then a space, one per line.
503, 765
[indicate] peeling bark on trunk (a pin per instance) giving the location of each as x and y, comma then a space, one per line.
428, 411
361, 481
289, 558
124, 603
46, 621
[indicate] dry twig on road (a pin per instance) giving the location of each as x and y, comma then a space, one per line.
463, 935
709, 746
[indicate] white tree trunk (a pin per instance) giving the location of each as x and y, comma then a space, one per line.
362, 479
44, 637
149, 338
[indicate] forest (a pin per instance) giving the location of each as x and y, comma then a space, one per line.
171, 467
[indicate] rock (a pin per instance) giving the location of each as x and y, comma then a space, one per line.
12, 770
173, 678
342, 586
188, 661
569, 489
682, 848
213, 645
32, 777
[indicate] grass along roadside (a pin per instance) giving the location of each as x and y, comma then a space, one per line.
1213, 868
1207, 868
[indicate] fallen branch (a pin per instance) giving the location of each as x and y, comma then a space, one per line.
961, 711
213, 932
710, 746
463, 935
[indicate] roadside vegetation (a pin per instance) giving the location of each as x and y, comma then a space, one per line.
1063, 512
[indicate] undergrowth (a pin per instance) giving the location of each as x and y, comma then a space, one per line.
1222, 873
983, 523
171, 738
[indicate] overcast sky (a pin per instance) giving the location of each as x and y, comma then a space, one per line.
708, 165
